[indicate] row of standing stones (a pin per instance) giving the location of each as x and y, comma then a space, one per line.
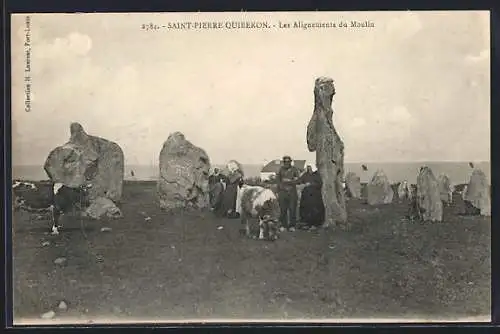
323, 138
184, 171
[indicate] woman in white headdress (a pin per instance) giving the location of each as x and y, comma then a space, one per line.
311, 207
234, 177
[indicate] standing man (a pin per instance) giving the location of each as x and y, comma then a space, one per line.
287, 179
216, 190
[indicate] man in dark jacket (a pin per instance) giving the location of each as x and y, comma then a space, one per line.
216, 190
287, 179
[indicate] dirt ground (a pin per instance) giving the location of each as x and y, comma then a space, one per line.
193, 265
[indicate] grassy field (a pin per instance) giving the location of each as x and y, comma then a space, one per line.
183, 265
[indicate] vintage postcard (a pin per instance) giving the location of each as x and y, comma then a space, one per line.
251, 166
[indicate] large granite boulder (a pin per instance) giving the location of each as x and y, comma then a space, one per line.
353, 185
379, 190
184, 171
477, 193
445, 189
323, 138
87, 159
428, 196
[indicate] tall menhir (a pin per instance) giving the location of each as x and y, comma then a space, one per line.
324, 139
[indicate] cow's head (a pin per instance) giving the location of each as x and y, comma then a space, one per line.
269, 228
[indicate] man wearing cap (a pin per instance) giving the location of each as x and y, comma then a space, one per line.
287, 179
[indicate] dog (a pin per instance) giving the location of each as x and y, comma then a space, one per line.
54, 198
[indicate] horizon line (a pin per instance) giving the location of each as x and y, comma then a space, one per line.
345, 162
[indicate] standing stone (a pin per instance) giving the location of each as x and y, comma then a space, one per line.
87, 159
323, 138
445, 189
428, 196
353, 184
379, 189
478, 193
184, 171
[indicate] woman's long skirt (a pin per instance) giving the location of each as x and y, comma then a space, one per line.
312, 209
216, 193
229, 199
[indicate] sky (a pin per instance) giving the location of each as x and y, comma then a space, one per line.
415, 87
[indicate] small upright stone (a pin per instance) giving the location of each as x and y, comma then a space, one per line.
428, 196
478, 192
379, 190
445, 189
353, 185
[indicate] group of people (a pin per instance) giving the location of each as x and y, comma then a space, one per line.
224, 190
311, 208
223, 194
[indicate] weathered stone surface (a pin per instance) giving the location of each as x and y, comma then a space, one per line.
184, 171
323, 139
379, 190
353, 184
103, 207
478, 192
428, 196
88, 159
445, 188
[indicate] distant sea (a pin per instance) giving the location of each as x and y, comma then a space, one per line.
459, 172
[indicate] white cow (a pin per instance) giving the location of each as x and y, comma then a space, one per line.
256, 202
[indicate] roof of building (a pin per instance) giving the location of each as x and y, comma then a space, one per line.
274, 166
